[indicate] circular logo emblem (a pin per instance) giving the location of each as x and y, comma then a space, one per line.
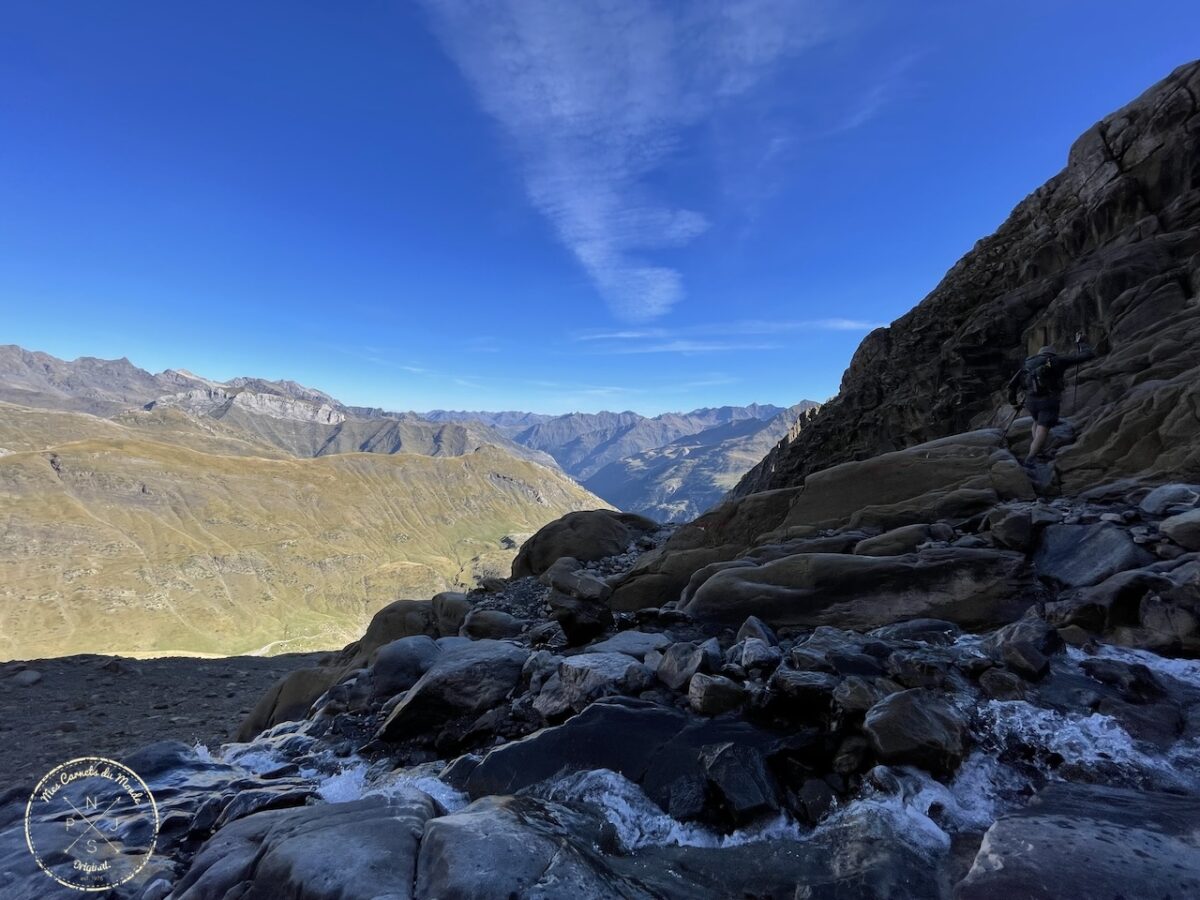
91, 824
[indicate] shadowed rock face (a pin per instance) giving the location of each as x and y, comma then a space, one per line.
975, 588
1111, 245
950, 479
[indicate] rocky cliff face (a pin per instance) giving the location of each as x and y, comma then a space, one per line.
86, 384
1110, 246
217, 400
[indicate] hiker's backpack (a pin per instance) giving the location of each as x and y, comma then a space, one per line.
1042, 377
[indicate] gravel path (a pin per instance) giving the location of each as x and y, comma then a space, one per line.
108, 705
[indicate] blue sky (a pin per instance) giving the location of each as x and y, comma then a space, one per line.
528, 204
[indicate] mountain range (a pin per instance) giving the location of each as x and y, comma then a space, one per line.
169, 512
669, 467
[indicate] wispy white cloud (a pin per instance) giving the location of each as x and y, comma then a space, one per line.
689, 346
622, 335
376, 357
690, 339
838, 324
596, 96
881, 94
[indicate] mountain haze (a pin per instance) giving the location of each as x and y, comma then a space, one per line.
679, 480
669, 467
583, 443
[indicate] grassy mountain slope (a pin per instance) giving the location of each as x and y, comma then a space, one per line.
122, 544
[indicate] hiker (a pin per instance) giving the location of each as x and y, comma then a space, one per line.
1043, 379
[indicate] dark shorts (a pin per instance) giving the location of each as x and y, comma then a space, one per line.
1044, 409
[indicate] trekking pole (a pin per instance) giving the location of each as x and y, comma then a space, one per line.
1016, 413
1075, 396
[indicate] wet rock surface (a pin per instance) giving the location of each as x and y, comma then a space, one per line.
1090, 841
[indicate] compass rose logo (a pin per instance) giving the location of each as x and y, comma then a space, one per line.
91, 823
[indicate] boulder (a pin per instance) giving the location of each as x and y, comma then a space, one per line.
585, 536
918, 669
927, 631
951, 478
712, 695
362, 850
1135, 681
661, 575
160, 757
758, 654
754, 627
581, 620
739, 775
816, 799
566, 575
481, 624
679, 663
740, 522
539, 668
401, 618
1109, 605
1075, 840
1170, 622
720, 535
1163, 497
836, 651
1183, 529
1082, 555
588, 676
463, 681
800, 539
656, 747
248, 802
632, 642
1015, 526
904, 539
917, 727
400, 664
1025, 646
713, 657
450, 608
513, 847
1001, 685
288, 699
703, 574
856, 694
529, 847
802, 694
972, 588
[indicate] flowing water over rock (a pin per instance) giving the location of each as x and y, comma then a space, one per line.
1020, 747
